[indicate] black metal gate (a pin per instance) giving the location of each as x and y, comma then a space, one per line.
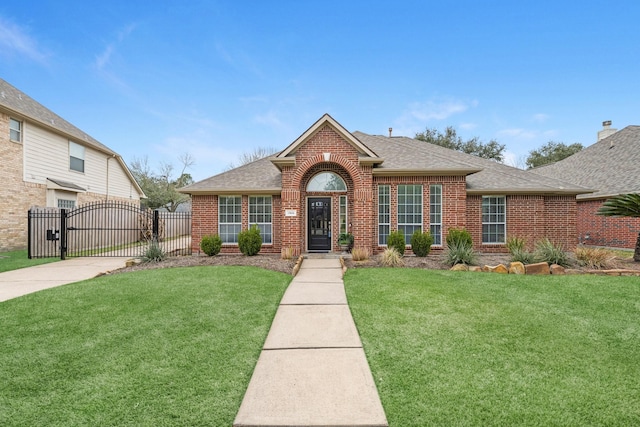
106, 229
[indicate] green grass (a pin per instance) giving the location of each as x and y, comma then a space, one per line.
463, 349
151, 348
20, 259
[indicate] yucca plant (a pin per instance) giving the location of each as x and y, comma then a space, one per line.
153, 252
391, 258
459, 252
547, 251
624, 205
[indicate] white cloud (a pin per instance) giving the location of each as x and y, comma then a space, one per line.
421, 114
518, 133
15, 40
103, 59
540, 118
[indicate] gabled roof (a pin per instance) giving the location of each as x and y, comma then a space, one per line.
287, 156
611, 166
22, 106
399, 156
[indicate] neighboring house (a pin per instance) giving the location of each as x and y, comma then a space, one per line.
48, 162
611, 167
330, 181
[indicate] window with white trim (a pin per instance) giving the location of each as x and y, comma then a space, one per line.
15, 130
76, 157
384, 213
409, 210
435, 213
326, 181
342, 212
494, 219
229, 218
260, 214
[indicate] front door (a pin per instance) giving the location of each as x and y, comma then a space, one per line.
319, 223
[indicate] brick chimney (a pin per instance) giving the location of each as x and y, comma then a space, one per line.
607, 130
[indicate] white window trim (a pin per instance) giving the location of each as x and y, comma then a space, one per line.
20, 130
75, 148
408, 238
431, 224
220, 223
346, 214
388, 224
270, 223
504, 223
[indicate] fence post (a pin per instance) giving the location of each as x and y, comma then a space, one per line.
156, 225
63, 234
29, 231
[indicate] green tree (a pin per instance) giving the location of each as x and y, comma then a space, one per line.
624, 205
161, 187
450, 139
551, 152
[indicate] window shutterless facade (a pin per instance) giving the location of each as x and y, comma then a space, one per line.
384, 213
76, 157
66, 204
494, 219
229, 218
15, 130
409, 210
343, 214
435, 213
260, 214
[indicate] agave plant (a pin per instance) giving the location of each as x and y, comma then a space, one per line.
624, 205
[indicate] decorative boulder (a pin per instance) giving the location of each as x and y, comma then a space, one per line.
538, 268
557, 269
500, 268
475, 268
516, 268
459, 267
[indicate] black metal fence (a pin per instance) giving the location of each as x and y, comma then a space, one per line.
106, 229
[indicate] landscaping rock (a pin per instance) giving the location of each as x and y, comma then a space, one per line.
132, 262
459, 267
475, 269
500, 268
516, 268
557, 269
538, 268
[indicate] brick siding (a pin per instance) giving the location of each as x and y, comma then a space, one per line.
605, 231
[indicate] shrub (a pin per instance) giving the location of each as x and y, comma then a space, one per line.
250, 241
360, 254
459, 252
153, 252
396, 241
421, 243
391, 258
286, 253
516, 247
211, 244
459, 236
520, 255
596, 258
515, 244
550, 253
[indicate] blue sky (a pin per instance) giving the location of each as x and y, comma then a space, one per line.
218, 78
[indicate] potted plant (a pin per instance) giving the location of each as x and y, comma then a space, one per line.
345, 241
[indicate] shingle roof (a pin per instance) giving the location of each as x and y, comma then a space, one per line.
611, 166
18, 102
399, 154
261, 176
493, 177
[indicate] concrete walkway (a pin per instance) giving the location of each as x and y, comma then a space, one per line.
312, 370
24, 281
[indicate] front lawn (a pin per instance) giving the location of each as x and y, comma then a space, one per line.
450, 348
14, 260
150, 348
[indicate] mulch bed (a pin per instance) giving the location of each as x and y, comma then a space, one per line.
435, 261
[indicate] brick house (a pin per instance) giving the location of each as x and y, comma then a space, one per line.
330, 181
610, 167
48, 162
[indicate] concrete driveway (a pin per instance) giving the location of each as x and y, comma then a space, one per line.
24, 281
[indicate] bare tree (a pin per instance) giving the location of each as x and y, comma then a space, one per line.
251, 156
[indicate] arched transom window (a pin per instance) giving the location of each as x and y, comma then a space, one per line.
326, 181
